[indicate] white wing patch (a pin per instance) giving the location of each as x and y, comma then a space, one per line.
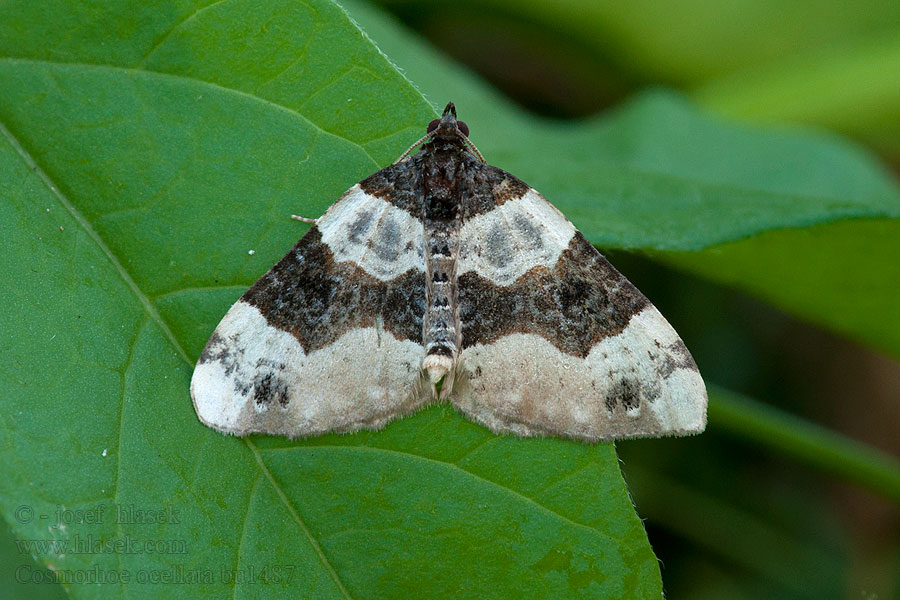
503, 244
381, 239
635, 384
253, 378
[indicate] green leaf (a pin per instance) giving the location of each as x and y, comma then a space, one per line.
144, 151
16, 565
169, 140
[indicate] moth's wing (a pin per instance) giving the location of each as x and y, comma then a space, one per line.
330, 339
555, 340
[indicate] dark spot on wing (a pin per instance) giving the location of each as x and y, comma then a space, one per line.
498, 251
242, 387
675, 356
528, 233
227, 352
269, 388
625, 392
215, 349
386, 241
360, 226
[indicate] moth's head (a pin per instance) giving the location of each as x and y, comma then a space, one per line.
448, 128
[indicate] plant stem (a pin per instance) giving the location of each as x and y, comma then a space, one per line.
812, 444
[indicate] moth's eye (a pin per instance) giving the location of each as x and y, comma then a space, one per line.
463, 127
432, 126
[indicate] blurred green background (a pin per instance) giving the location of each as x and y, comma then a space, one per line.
727, 518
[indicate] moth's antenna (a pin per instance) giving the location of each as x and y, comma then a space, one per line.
424, 138
472, 146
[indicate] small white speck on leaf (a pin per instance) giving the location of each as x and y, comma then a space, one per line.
104, 452
251, 252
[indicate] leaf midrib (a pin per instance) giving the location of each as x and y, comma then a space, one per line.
92, 233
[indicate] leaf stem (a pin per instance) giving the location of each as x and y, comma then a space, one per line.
812, 444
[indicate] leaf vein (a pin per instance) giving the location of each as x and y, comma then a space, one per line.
240, 550
296, 516
173, 29
451, 466
121, 436
88, 228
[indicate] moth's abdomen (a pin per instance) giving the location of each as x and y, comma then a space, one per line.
441, 327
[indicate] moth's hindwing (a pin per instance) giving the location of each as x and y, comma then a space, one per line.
330, 339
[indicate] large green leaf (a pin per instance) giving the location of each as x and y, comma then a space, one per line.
145, 150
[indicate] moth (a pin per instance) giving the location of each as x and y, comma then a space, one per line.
442, 278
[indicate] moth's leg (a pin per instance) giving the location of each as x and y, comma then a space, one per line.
305, 219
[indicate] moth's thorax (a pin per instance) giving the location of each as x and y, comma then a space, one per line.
446, 144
